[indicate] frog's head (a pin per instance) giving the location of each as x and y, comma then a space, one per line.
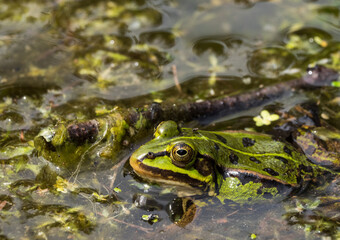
172, 157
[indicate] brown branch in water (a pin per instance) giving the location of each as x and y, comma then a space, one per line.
155, 113
315, 77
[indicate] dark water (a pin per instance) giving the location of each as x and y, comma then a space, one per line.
64, 60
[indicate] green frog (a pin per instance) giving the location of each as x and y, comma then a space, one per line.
240, 166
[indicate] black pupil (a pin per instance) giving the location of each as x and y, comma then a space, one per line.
181, 152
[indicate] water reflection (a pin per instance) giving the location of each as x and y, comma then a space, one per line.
270, 62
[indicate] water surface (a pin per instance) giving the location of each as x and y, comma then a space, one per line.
70, 59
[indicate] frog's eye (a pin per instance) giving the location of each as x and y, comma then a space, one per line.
182, 154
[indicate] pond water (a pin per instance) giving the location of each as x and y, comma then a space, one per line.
74, 60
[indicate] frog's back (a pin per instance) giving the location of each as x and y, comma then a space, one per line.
256, 156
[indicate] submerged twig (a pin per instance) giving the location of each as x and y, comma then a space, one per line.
114, 170
147, 230
174, 72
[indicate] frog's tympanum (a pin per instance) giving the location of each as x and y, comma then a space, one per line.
240, 166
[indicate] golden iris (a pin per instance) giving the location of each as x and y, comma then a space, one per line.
181, 155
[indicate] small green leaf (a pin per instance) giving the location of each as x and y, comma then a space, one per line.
151, 218
253, 236
265, 118
336, 84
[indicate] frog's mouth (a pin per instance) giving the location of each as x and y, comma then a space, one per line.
167, 177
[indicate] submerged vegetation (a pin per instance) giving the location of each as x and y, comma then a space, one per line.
82, 67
